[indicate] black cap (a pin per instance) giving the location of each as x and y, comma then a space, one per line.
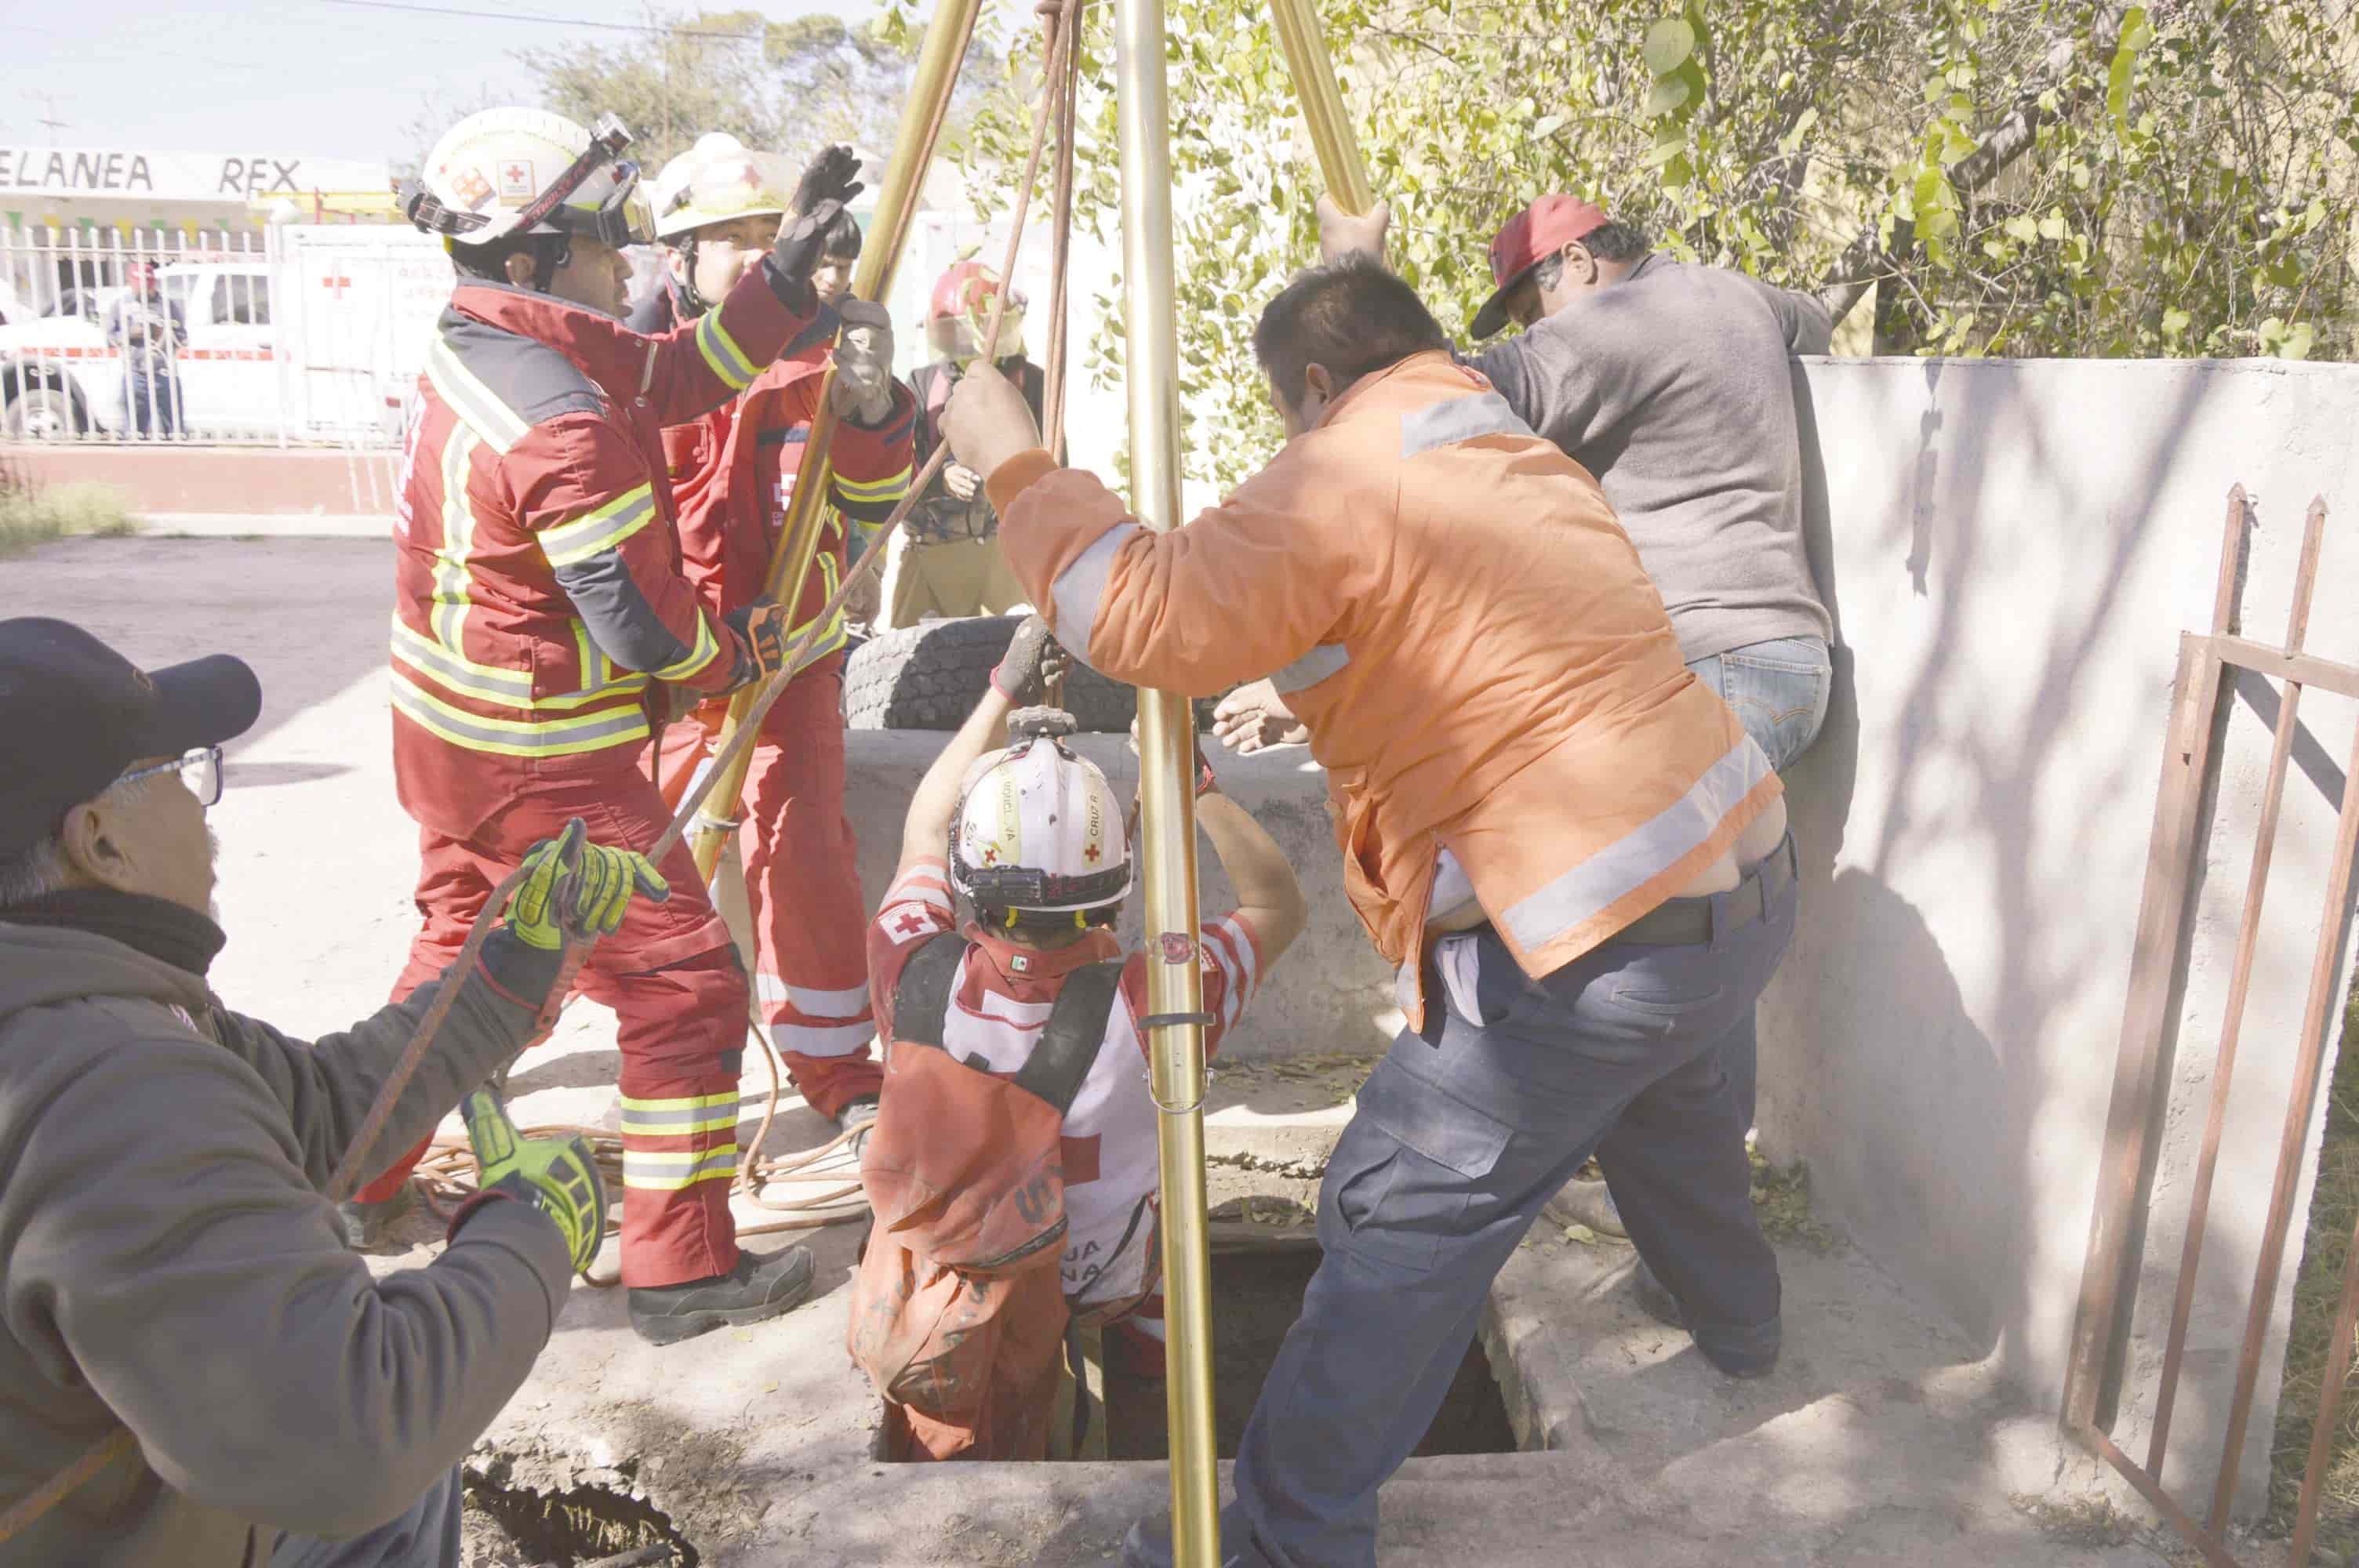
78, 714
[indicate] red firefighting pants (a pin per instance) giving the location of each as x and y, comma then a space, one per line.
673, 979
802, 883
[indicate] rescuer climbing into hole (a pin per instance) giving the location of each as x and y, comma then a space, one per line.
1013, 1170
733, 470
540, 611
170, 1268
1567, 843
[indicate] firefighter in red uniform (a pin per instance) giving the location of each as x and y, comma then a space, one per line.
540, 613
733, 471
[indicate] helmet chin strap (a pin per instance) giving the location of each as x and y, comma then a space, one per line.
695, 303
550, 253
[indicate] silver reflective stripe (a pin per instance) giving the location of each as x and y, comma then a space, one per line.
1080, 587
1459, 420
1642, 853
1313, 667
684, 1119
831, 1040
849, 1002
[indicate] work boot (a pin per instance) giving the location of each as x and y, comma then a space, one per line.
364, 1224
1748, 1353
862, 1110
1149, 1544
1588, 1203
762, 1286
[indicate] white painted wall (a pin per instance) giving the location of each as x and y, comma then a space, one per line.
2011, 550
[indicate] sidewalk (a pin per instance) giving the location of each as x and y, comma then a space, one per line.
268, 524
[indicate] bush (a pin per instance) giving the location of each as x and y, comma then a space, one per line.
32, 514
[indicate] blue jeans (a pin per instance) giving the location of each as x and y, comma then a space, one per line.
151, 403
1778, 690
424, 1537
1462, 1134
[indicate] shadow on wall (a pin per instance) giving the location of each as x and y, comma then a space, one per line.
1917, 1123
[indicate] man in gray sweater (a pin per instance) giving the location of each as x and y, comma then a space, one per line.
168, 1263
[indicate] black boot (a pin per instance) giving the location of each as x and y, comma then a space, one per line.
1747, 1353
762, 1286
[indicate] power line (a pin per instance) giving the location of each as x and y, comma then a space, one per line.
555, 21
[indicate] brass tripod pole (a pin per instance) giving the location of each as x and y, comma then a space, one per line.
1330, 123
1167, 738
922, 114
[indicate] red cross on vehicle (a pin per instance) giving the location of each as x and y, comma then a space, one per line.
337, 282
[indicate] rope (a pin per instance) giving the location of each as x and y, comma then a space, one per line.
754, 1173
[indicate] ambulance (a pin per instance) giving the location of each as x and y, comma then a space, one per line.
314, 336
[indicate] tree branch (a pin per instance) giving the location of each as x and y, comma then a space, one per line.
1865, 259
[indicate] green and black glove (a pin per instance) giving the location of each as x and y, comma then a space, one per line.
556, 1175
575, 888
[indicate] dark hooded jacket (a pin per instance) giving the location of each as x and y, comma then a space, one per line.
168, 1261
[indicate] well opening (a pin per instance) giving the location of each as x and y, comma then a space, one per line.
582, 1527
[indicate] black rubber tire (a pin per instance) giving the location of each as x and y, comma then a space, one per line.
930, 675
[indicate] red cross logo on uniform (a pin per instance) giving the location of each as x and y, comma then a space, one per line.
910, 923
991, 854
1091, 854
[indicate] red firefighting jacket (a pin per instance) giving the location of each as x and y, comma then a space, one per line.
733, 471
538, 578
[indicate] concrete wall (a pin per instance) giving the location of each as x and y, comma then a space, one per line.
2011, 550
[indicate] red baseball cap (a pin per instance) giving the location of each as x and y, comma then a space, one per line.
1541, 230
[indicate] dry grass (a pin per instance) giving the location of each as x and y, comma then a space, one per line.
2318, 1292
34, 513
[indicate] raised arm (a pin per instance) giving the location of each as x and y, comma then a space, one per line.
1269, 894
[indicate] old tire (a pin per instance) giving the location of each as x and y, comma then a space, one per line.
930, 675
44, 414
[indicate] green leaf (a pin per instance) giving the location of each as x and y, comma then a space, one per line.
1667, 147
1793, 138
2174, 322
2052, 227
2022, 228
2137, 33
1549, 126
1678, 173
1669, 42
2298, 342
1668, 95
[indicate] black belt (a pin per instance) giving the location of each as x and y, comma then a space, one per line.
1688, 922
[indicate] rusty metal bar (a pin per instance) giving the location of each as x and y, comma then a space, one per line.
2316, 1012
2151, 1490
2248, 935
2342, 680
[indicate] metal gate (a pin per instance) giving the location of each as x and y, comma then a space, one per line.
2206, 664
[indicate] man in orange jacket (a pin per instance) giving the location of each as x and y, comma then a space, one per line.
1570, 846
539, 604
734, 472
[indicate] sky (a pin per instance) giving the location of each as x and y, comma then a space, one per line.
309, 78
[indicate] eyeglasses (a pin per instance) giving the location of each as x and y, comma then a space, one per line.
200, 770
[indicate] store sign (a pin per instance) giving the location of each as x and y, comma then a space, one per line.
181, 177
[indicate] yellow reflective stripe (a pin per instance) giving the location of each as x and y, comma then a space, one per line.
452, 573
830, 577
655, 1171
508, 738
471, 400
890, 488
509, 689
595, 532
708, 648
722, 352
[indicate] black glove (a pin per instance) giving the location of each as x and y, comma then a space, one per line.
762, 627
832, 176
1033, 657
802, 245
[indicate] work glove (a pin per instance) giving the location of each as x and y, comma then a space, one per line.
1034, 658
819, 224
574, 888
862, 391
762, 627
559, 1176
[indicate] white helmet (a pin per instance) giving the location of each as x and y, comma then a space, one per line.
718, 180
1039, 839
526, 171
